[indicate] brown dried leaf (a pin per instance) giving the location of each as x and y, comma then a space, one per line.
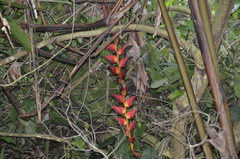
218, 141
158, 19
141, 78
14, 71
114, 15
138, 6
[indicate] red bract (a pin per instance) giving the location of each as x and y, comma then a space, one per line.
135, 153
121, 76
119, 110
131, 114
124, 62
114, 70
131, 139
123, 90
122, 121
124, 50
111, 58
111, 48
119, 98
127, 133
117, 41
129, 102
117, 69
131, 126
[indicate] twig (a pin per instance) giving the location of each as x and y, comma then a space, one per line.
41, 136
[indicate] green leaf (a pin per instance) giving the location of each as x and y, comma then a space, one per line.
79, 142
14, 4
107, 142
122, 151
123, 148
235, 111
8, 139
237, 85
19, 36
154, 5
237, 90
15, 148
55, 116
149, 153
31, 128
158, 84
29, 105
140, 129
175, 94
2, 153
13, 115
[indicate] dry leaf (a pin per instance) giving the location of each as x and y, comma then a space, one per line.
218, 141
138, 6
140, 79
158, 19
14, 71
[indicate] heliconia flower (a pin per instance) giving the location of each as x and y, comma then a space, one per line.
135, 153
111, 58
131, 139
124, 62
131, 126
117, 41
119, 98
122, 121
124, 50
121, 76
129, 102
131, 114
127, 132
111, 48
123, 89
114, 70
119, 110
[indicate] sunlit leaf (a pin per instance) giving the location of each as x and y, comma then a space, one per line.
19, 36
175, 94
158, 84
79, 142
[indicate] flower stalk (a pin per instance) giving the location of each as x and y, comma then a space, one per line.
119, 69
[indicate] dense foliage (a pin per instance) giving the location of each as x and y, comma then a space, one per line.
79, 122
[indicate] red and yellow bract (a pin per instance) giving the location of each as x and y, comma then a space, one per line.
119, 69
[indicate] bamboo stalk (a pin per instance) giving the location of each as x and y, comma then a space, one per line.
216, 87
206, 22
186, 80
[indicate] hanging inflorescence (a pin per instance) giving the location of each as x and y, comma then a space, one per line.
118, 68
